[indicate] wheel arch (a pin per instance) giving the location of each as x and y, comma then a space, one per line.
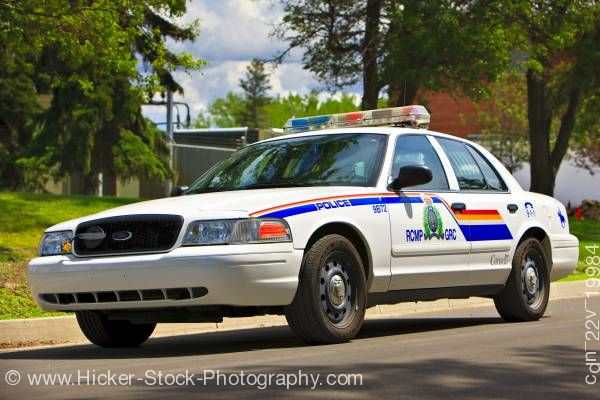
542, 236
351, 233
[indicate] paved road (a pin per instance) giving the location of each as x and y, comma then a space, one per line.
467, 353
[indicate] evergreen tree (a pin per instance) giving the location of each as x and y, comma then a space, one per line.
255, 86
86, 56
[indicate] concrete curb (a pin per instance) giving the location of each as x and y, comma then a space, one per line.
59, 330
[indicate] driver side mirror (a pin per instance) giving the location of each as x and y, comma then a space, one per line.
411, 175
179, 190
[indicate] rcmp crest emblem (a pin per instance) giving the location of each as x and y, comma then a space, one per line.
432, 221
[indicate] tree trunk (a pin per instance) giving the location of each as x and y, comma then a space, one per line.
545, 161
542, 173
109, 184
90, 184
402, 93
370, 51
567, 123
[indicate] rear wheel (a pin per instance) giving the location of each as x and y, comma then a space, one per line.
525, 296
329, 306
107, 333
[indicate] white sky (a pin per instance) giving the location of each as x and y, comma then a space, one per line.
232, 32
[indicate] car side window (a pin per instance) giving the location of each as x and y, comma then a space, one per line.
416, 150
492, 178
467, 170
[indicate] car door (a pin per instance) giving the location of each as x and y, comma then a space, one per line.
428, 248
490, 213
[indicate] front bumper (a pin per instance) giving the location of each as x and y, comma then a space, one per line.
565, 253
236, 275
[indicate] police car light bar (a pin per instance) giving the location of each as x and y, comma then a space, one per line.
412, 116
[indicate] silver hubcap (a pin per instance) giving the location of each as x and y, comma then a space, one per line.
335, 291
532, 284
531, 279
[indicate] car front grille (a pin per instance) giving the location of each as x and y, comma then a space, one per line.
130, 234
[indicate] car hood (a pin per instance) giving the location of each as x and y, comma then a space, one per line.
234, 204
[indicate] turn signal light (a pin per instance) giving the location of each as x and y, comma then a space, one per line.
272, 230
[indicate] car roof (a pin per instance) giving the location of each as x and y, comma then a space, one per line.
383, 130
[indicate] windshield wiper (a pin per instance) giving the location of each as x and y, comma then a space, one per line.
207, 190
276, 185
263, 185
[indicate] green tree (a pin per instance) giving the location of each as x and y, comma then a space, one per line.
223, 112
255, 86
341, 40
586, 146
502, 119
86, 55
228, 111
442, 45
283, 108
408, 46
562, 41
19, 115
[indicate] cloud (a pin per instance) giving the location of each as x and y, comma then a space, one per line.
234, 29
233, 32
292, 78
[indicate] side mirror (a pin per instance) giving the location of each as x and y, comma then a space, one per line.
411, 175
179, 190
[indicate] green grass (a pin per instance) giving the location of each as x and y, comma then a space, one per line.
17, 303
588, 233
23, 219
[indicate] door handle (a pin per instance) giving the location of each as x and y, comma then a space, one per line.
458, 207
512, 208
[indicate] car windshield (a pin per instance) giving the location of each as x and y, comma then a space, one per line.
350, 159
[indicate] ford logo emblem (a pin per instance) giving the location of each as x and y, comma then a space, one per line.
122, 236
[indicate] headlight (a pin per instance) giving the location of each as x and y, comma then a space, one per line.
230, 231
54, 243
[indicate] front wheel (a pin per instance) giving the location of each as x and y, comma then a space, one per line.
108, 333
525, 295
329, 306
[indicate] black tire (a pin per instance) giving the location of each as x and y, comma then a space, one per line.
314, 315
107, 333
520, 301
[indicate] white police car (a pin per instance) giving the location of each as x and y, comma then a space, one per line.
316, 225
